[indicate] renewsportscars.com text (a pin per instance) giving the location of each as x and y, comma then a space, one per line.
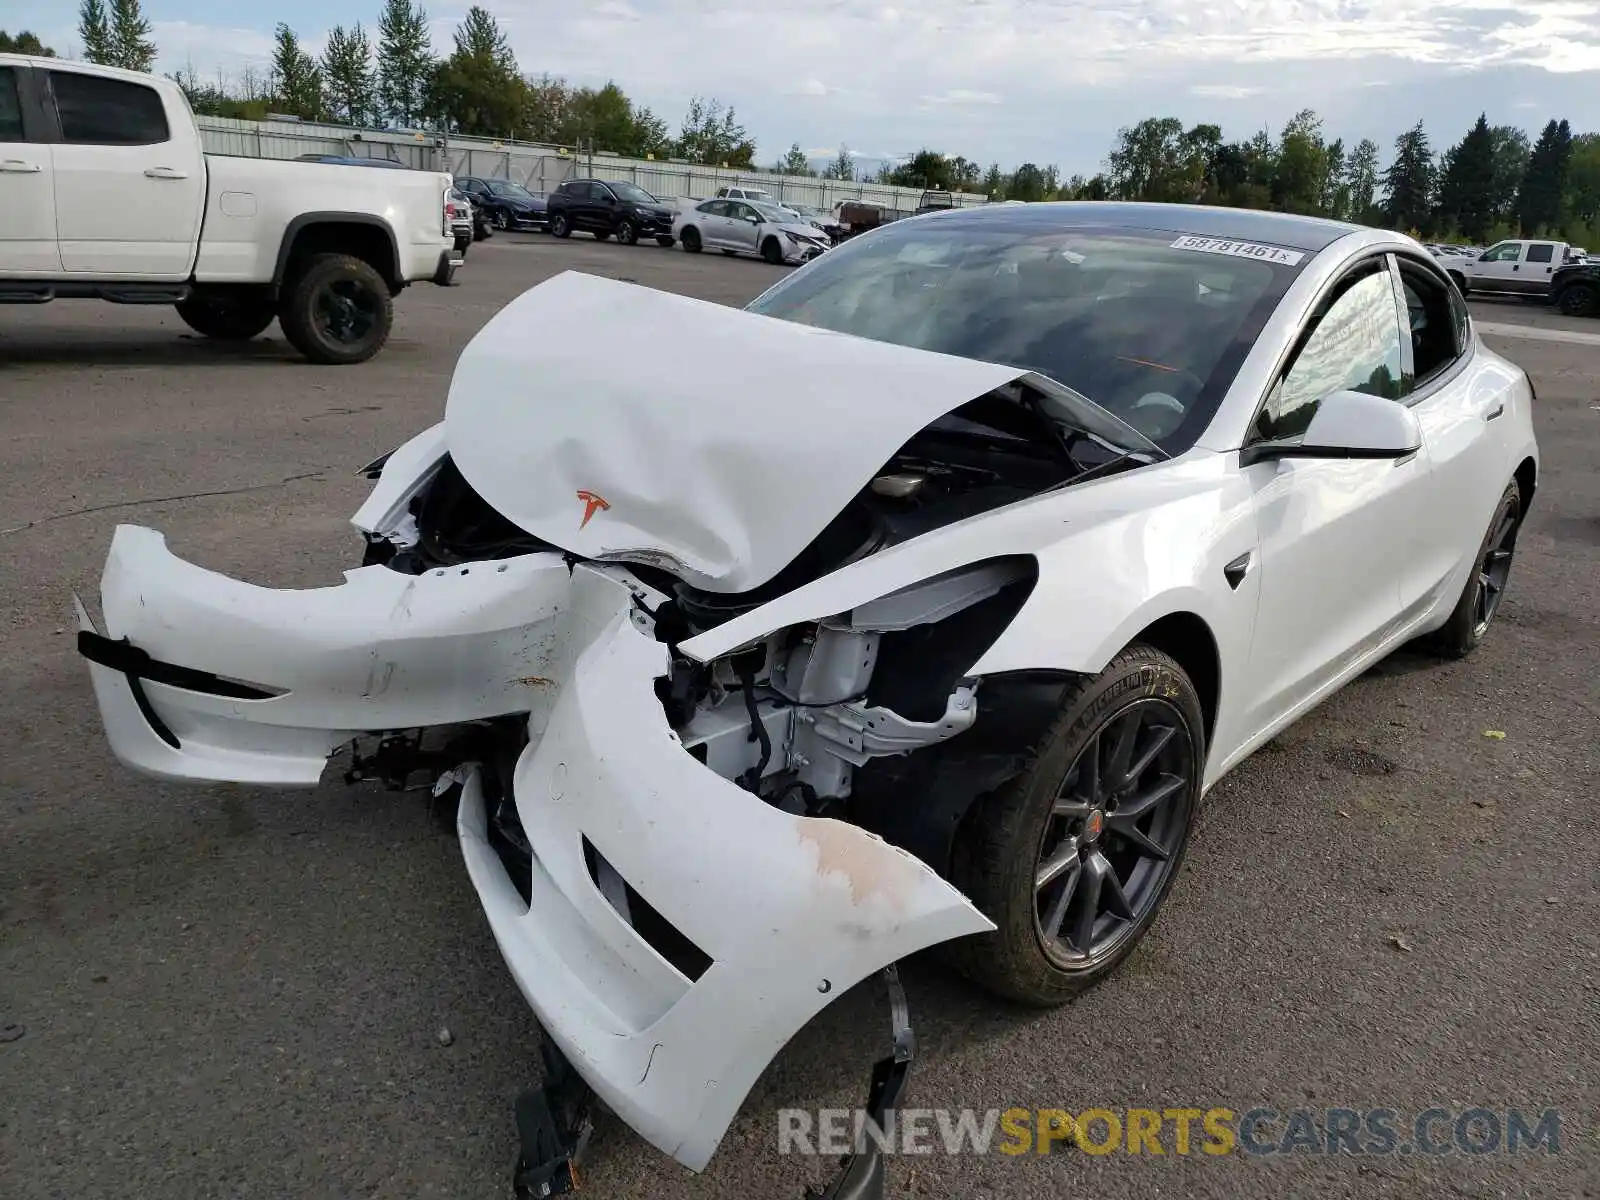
1214, 1132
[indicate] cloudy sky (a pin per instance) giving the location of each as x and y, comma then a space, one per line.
1047, 81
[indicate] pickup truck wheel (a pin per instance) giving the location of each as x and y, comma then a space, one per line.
227, 320
559, 227
337, 310
1579, 300
627, 233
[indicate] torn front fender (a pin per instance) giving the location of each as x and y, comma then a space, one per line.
790, 911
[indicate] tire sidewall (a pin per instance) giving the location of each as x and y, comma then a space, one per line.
298, 315
1578, 300
691, 240
1460, 634
1013, 822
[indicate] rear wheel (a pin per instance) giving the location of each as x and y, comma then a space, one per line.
771, 251
1073, 858
559, 226
1579, 300
627, 232
226, 319
691, 240
336, 309
1480, 599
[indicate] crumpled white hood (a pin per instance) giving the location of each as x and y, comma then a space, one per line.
711, 441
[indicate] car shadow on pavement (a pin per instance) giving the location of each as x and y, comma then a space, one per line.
142, 349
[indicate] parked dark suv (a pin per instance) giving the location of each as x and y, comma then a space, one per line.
609, 206
503, 204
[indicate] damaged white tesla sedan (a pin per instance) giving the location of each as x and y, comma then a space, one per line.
995, 539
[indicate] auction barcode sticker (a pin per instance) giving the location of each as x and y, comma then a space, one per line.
1271, 254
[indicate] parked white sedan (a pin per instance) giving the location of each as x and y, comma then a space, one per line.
1005, 534
749, 227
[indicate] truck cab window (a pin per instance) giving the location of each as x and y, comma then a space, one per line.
10, 107
1541, 252
96, 111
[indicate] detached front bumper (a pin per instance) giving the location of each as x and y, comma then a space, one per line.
630, 834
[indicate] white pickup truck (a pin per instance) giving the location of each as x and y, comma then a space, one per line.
106, 193
1517, 267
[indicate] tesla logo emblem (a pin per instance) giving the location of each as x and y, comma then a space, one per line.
593, 502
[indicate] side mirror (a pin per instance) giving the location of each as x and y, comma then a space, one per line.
1348, 425
753, 219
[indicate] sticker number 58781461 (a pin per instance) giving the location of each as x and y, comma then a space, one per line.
1271, 254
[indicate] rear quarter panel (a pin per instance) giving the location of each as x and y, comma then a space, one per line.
251, 203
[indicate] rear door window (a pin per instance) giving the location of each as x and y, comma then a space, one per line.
10, 106
97, 111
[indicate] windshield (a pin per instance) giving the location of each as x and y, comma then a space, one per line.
773, 212
501, 188
632, 193
1150, 330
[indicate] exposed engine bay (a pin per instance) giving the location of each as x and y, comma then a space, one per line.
796, 717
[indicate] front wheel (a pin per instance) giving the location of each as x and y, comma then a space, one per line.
772, 252
502, 220
627, 233
1579, 300
691, 240
337, 310
1074, 857
228, 320
1480, 599
559, 226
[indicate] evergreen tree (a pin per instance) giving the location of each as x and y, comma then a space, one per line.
405, 62
348, 83
1510, 161
1336, 189
94, 31
1545, 179
1466, 183
296, 81
1362, 176
478, 89
131, 46
24, 42
1408, 183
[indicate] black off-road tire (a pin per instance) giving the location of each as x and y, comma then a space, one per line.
772, 252
1466, 629
691, 240
316, 280
559, 225
227, 320
998, 846
1579, 300
627, 233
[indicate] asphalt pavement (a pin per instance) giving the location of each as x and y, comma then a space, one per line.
229, 992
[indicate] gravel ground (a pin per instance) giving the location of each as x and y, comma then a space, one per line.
233, 993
